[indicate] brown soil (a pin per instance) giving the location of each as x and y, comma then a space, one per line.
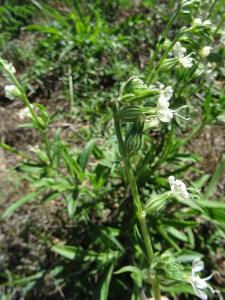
210, 145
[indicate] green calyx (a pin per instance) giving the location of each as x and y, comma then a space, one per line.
135, 90
133, 112
156, 204
167, 269
133, 140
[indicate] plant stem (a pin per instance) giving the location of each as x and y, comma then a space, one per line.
155, 287
71, 92
140, 213
23, 96
47, 145
15, 151
156, 68
150, 68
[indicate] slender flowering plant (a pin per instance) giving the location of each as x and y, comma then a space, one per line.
139, 101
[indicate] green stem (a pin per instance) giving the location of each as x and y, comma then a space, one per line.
211, 9
156, 289
140, 213
157, 67
71, 92
47, 145
219, 25
17, 152
33, 113
27, 104
23, 96
159, 44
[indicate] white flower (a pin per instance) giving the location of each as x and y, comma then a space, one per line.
198, 22
165, 115
166, 94
11, 91
7, 67
199, 284
24, 113
10, 68
179, 52
178, 188
163, 112
34, 149
205, 51
186, 61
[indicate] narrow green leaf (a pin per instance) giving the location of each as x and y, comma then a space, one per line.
105, 285
44, 29
72, 165
212, 204
125, 269
176, 233
215, 179
8, 148
71, 204
84, 156
66, 251
10, 210
24, 280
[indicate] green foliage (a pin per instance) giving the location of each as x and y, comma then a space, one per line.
74, 62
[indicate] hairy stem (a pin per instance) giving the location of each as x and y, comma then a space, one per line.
139, 211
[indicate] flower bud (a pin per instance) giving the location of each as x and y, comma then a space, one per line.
205, 51
157, 204
168, 64
168, 270
167, 43
133, 112
11, 91
133, 140
8, 68
190, 3
135, 90
196, 22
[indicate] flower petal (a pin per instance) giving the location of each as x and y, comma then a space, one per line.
197, 265
200, 283
165, 115
202, 295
